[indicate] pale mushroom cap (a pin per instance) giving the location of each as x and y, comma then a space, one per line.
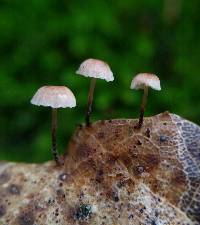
54, 96
145, 79
96, 69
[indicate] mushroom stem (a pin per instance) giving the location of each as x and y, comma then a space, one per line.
53, 135
142, 107
90, 99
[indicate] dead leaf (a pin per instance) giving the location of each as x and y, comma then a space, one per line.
113, 174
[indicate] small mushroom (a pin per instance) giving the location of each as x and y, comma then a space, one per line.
96, 69
144, 81
54, 97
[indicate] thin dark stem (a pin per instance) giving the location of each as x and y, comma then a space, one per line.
53, 136
90, 100
142, 107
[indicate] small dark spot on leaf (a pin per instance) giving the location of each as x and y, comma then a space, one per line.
2, 210
140, 169
115, 196
130, 216
139, 142
141, 210
14, 189
163, 138
81, 195
83, 212
63, 176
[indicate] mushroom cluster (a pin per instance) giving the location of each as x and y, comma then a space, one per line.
62, 97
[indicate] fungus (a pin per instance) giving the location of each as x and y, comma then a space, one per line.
96, 69
83, 212
144, 81
54, 97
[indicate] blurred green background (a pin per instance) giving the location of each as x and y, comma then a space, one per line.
42, 42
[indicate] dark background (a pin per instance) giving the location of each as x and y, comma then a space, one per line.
42, 42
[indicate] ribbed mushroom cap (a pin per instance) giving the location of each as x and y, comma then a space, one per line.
96, 69
54, 96
145, 79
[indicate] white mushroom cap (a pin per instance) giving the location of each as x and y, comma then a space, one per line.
54, 96
96, 69
145, 79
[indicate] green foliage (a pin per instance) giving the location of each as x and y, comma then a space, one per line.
43, 42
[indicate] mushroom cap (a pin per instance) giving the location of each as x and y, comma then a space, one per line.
95, 68
54, 96
145, 79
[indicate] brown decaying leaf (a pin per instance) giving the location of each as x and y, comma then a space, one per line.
113, 174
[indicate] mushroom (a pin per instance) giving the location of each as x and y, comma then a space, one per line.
144, 81
96, 69
54, 97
